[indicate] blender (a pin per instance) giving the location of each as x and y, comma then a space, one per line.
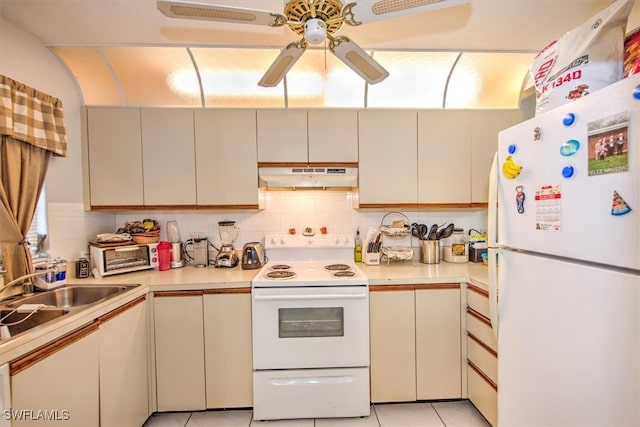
173, 236
227, 256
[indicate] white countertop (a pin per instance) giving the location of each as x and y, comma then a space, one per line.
192, 278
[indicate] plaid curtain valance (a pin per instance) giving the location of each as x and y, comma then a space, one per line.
31, 116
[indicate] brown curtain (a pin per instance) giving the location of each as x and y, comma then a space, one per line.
32, 129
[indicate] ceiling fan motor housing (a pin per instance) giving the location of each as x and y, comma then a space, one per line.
315, 31
299, 12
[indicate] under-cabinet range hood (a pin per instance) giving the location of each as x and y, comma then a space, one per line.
325, 177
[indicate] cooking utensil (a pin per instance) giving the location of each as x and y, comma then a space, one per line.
445, 232
433, 232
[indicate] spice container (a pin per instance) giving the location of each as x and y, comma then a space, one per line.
82, 266
457, 249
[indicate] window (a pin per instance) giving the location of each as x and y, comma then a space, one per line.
39, 226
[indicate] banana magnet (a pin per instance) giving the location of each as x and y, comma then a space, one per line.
511, 169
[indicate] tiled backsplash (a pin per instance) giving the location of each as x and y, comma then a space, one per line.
70, 227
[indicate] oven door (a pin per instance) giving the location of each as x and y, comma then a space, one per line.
319, 327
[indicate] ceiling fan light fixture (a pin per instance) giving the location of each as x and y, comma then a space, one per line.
315, 31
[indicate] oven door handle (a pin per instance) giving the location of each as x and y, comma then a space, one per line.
362, 295
296, 381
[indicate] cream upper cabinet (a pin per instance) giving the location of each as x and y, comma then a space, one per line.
226, 152
438, 346
387, 151
333, 135
179, 347
485, 126
444, 156
228, 348
115, 157
393, 344
168, 156
282, 135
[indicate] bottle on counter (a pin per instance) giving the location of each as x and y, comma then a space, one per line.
82, 266
357, 250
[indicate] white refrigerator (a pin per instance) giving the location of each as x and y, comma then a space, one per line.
564, 263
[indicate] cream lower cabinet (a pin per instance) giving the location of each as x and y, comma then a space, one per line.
203, 349
179, 351
228, 348
482, 354
438, 344
392, 330
124, 356
415, 342
58, 384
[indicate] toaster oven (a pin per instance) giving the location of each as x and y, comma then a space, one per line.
106, 261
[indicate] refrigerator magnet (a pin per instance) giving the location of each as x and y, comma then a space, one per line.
520, 199
619, 205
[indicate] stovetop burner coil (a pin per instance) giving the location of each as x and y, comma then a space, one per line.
337, 267
280, 274
280, 267
344, 273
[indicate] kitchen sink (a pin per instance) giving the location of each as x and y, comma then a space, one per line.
21, 322
72, 296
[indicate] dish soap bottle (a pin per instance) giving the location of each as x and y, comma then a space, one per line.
357, 250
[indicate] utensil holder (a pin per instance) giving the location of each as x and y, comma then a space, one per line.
430, 251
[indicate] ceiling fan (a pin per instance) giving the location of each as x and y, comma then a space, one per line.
316, 21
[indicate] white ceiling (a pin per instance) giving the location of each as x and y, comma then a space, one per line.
484, 25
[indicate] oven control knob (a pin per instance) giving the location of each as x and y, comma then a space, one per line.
274, 241
309, 241
282, 241
337, 240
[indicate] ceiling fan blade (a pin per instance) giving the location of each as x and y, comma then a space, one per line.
357, 59
194, 10
364, 11
283, 63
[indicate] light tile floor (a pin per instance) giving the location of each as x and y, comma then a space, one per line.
460, 413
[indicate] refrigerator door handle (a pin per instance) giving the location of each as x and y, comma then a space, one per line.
493, 254
492, 211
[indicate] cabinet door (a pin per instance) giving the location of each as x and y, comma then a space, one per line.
282, 135
444, 157
228, 349
438, 342
226, 151
168, 157
179, 352
115, 156
485, 126
64, 382
124, 384
387, 152
393, 349
333, 135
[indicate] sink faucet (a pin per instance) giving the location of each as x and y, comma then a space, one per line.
27, 289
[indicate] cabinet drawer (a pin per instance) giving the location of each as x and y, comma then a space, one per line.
483, 395
478, 300
480, 327
483, 358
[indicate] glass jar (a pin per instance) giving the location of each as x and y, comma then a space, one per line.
458, 247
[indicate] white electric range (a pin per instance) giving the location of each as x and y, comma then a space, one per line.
310, 318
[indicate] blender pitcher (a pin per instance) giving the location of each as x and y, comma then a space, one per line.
227, 256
